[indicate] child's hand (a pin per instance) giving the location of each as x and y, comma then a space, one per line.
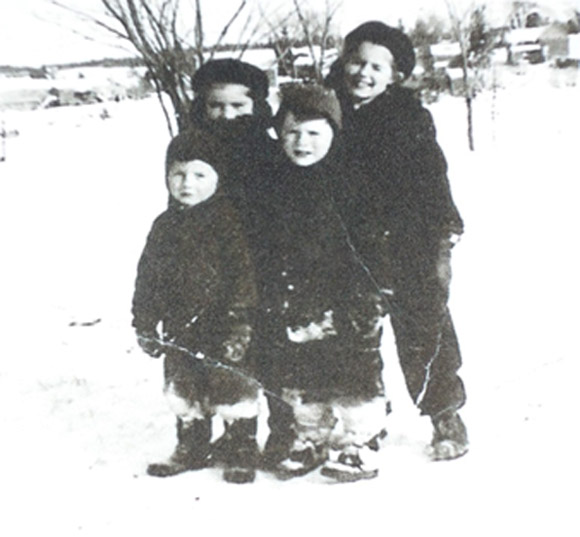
150, 344
237, 344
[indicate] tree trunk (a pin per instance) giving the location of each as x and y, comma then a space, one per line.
468, 102
468, 97
3, 135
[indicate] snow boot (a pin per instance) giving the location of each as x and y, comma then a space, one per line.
351, 464
240, 451
192, 450
304, 457
449, 438
277, 449
282, 434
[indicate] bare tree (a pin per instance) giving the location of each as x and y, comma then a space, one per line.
318, 31
520, 10
470, 30
170, 49
303, 26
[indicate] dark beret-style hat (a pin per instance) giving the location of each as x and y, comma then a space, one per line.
379, 33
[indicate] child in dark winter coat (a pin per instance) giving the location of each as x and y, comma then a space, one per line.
390, 139
319, 326
194, 295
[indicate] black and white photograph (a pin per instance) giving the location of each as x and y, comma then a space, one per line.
289, 267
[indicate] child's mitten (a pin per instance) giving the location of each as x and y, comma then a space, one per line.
238, 342
150, 344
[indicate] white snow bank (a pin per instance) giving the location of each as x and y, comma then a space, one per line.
82, 409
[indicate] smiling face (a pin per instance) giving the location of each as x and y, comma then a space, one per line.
228, 101
192, 182
307, 141
368, 71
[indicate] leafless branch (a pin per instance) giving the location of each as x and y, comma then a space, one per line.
228, 25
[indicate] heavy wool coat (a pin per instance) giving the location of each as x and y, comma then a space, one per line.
400, 174
400, 186
195, 276
245, 147
306, 266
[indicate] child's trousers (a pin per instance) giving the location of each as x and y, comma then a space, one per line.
338, 422
198, 388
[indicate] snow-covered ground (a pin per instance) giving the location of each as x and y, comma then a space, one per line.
81, 407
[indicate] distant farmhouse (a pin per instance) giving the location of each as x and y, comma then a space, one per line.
544, 43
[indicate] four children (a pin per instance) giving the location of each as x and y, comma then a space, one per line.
272, 262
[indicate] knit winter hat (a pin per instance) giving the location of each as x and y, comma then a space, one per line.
394, 39
231, 71
194, 144
309, 101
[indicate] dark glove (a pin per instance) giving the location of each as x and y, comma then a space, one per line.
150, 344
236, 345
367, 312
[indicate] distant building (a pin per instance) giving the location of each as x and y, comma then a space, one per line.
443, 53
538, 44
554, 39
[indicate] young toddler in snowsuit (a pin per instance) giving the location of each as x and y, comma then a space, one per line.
390, 139
194, 296
319, 326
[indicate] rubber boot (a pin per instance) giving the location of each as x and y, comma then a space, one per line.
241, 451
192, 450
449, 437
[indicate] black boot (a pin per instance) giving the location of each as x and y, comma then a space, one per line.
240, 451
277, 448
449, 437
282, 434
192, 450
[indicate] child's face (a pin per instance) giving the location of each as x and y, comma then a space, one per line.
192, 182
305, 142
368, 71
228, 101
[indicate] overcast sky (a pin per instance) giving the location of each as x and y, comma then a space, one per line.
33, 33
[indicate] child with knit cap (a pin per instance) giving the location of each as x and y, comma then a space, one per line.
390, 138
319, 326
194, 296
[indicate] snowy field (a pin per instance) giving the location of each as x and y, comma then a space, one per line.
82, 410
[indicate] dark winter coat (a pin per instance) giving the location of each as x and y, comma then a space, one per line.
195, 276
306, 266
246, 148
400, 174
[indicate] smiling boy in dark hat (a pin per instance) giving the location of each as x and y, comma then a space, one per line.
390, 139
